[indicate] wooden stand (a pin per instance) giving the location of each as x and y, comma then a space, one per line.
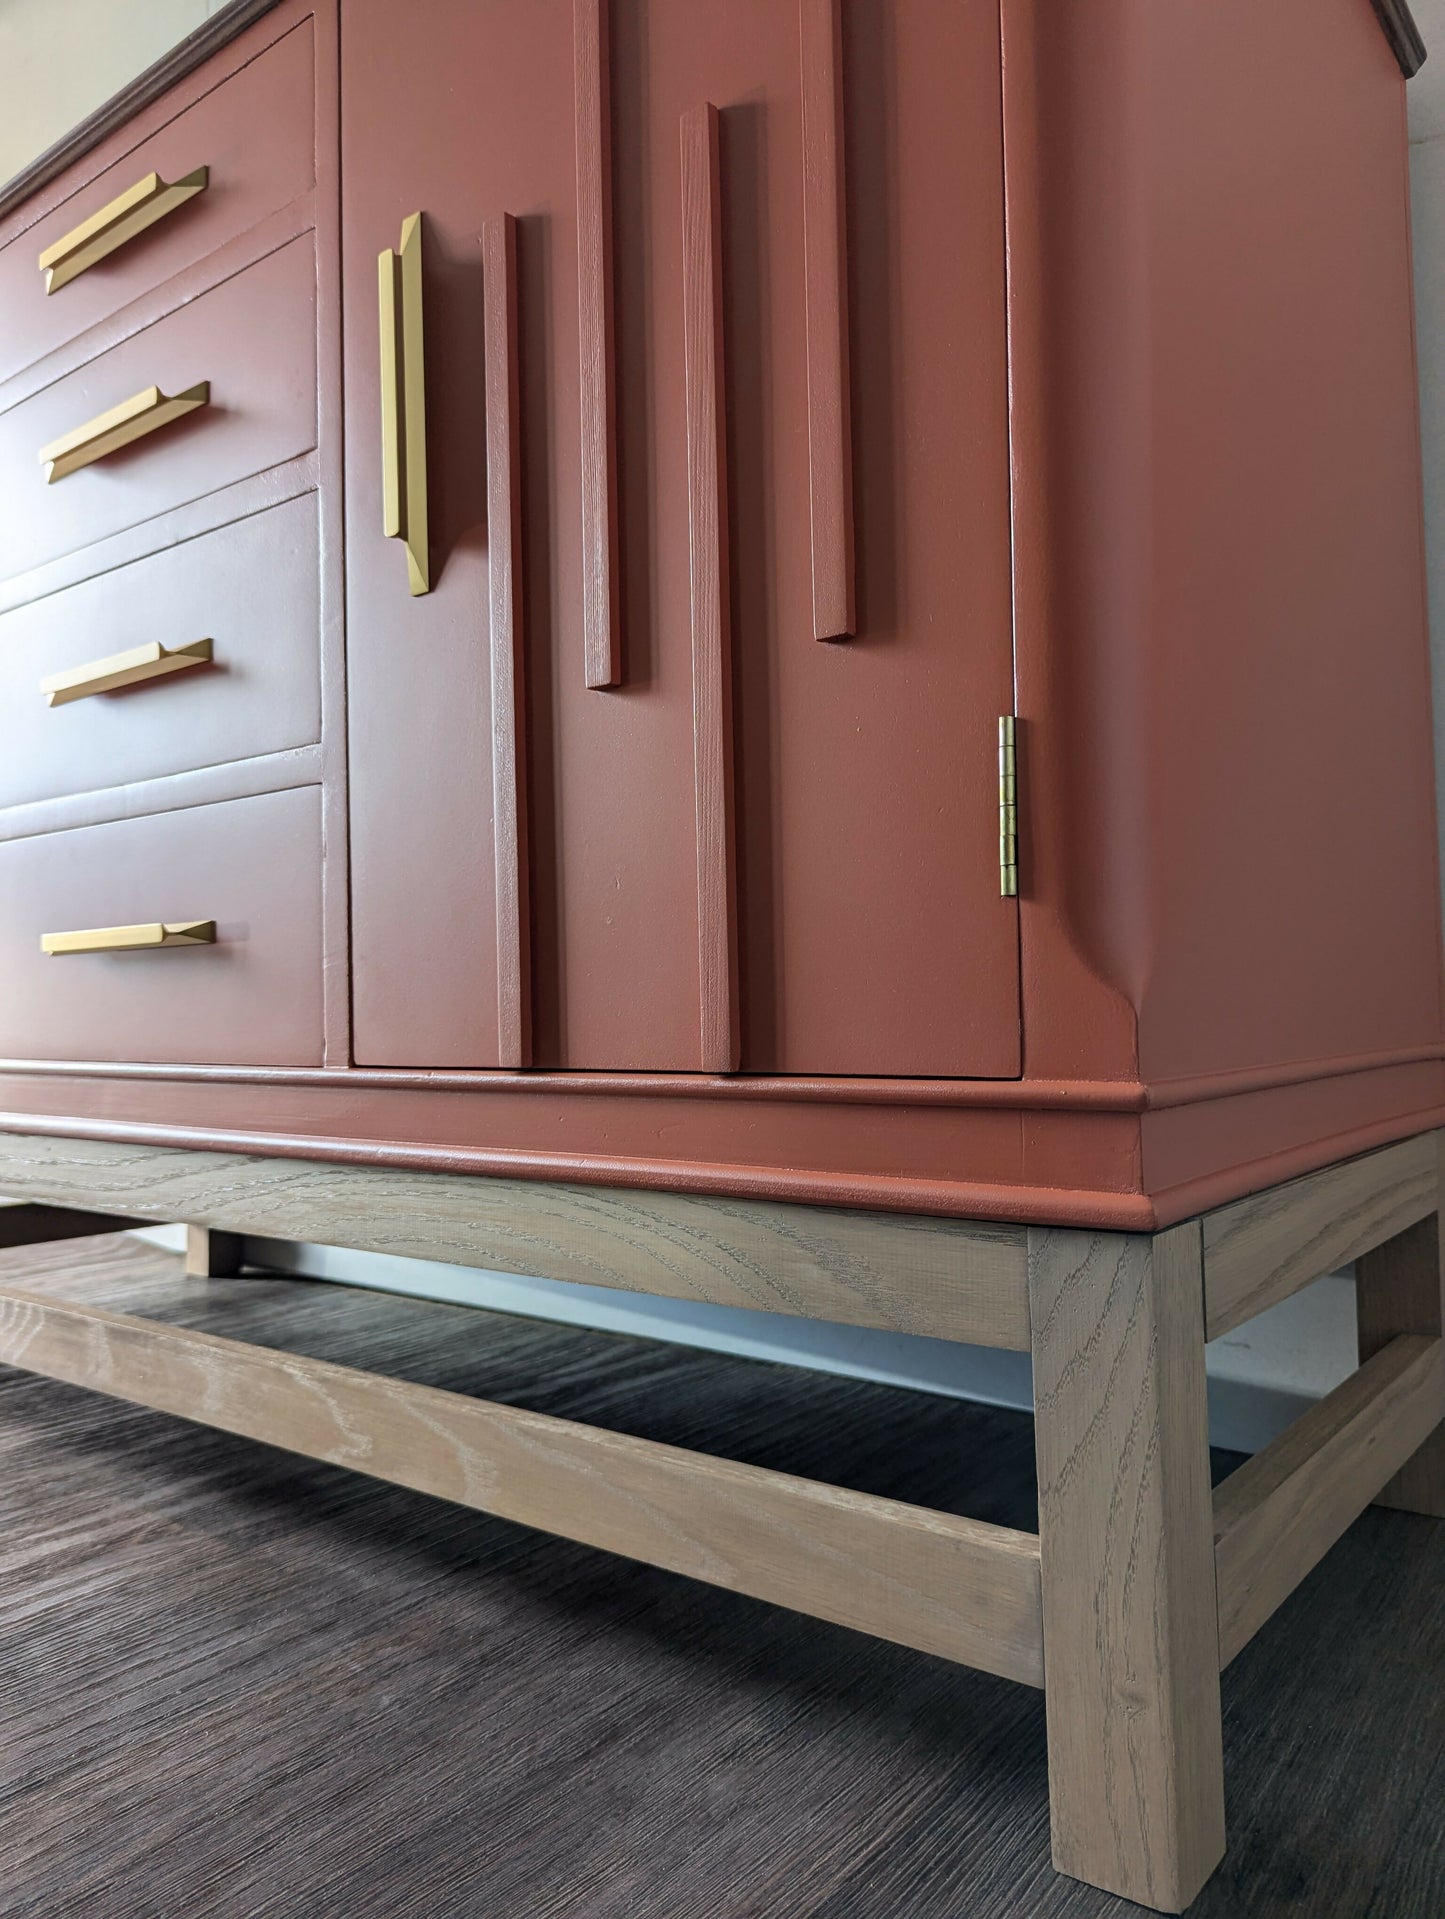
1140, 1584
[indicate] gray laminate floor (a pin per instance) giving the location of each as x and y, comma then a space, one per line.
232, 1683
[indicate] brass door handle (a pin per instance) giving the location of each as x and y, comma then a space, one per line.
131, 939
129, 214
108, 432
403, 402
150, 662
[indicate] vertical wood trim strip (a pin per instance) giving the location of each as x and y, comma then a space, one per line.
601, 614
504, 529
1126, 1535
825, 267
711, 607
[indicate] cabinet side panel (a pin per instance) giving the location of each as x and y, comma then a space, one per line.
1292, 857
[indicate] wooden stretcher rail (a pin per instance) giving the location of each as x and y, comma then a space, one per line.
955, 1587
952, 1279
1260, 1250
1279, 1514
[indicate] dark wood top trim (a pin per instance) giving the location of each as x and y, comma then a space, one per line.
182, 59
1394, 16
1402, 33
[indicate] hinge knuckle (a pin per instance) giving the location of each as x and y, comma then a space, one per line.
1008, 813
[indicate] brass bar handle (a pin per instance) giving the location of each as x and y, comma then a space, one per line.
388, 269
141, 414
403, 402
131, 939
150, 662
129, 214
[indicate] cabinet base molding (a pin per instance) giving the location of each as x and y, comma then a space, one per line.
1117, 1155
1117, 1326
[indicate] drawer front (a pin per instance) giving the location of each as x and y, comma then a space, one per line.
250, 589
249, 176
252, 998
252, 340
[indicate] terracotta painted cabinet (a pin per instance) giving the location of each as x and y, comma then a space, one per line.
587, 482
689, 284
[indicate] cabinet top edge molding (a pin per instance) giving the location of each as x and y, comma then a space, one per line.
1407, 43
1395, 18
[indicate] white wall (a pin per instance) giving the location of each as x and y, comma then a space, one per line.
58, 60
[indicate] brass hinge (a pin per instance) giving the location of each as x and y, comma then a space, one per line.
1008, 808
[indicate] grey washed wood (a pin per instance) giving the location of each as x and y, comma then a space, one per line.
1131, 1656
241, 1684
1278, 1516
1400, 1288
1260, 1250
957, 1587
955, 1279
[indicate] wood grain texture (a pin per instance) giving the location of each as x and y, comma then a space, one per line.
710, 594
1260, 1250
508, 645
1405, 38
223, 25
1130, 1648
168, 1594
601, 576
213, 1255
1278, 1516
951, 1279
1400, 1288
825, 264
955, 1587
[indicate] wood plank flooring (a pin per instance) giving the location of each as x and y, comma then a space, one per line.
236, 1684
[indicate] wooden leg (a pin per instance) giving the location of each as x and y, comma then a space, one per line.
211, 1255
1400, 1288
1131, 1635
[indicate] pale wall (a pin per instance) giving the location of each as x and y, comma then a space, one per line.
60, 59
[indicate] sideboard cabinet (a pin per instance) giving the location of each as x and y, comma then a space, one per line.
789, 634
654, 465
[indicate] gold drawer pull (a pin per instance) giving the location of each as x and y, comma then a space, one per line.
123, 669
403, 402
131, 939
109, 432
136, 209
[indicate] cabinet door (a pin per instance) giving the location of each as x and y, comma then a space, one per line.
464, 110
754, 847
873, 936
